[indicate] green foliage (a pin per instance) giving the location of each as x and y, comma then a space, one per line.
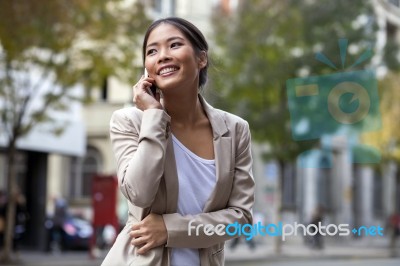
265, 43
63, 43
46, 48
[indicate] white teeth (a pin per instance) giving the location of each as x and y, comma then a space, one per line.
167, 70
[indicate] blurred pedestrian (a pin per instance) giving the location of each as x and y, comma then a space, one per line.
258, 218
59, 217
21, 219
394, 229
236, 241
3, 205
316, 240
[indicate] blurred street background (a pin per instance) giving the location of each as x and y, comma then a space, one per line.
353, 253
66, 65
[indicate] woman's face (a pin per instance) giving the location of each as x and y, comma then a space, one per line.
171, 60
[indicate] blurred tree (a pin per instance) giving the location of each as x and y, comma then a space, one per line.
46, 48
266, 42
388, 138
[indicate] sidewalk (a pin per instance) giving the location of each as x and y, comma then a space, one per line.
73, 258
291, 251
296, 250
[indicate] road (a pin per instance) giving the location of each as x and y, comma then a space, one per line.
350, 262
80, 259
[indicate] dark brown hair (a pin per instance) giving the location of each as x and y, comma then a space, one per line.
191, 32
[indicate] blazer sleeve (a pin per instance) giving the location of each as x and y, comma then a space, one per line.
139, 147
238, 209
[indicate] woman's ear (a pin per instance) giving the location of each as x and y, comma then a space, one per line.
203, 59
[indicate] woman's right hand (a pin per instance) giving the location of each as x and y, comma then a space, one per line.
141, 97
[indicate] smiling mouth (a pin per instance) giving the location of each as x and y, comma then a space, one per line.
167, 70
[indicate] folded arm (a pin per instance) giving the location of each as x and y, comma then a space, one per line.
238, 209
140, 152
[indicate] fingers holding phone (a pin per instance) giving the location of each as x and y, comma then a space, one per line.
143, 96
153, 89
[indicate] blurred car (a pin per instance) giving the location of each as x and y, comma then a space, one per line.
75, 233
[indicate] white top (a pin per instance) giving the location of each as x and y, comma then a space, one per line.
197, 179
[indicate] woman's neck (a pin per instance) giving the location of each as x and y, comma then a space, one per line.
185, 110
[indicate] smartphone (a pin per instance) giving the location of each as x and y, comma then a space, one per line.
153, 89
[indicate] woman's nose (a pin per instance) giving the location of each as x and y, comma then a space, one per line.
163, 55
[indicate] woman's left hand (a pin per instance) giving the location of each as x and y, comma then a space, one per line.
149, 233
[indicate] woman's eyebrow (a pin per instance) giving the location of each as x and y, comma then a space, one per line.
168, 40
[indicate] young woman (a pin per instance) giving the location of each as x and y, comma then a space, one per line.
181, 163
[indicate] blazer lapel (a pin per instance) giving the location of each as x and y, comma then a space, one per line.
223, 154
223, 162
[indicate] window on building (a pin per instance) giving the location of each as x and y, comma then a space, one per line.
395, 2
378, 195
324, 188
75, 177
104, 89
82, 172
3, 166
21, 162
289, 187
163, 7
156, 5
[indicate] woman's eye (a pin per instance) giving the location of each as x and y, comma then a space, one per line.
175, 44
151, 51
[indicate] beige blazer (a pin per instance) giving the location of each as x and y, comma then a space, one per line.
147, 176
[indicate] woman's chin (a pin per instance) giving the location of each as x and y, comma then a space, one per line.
167, 85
